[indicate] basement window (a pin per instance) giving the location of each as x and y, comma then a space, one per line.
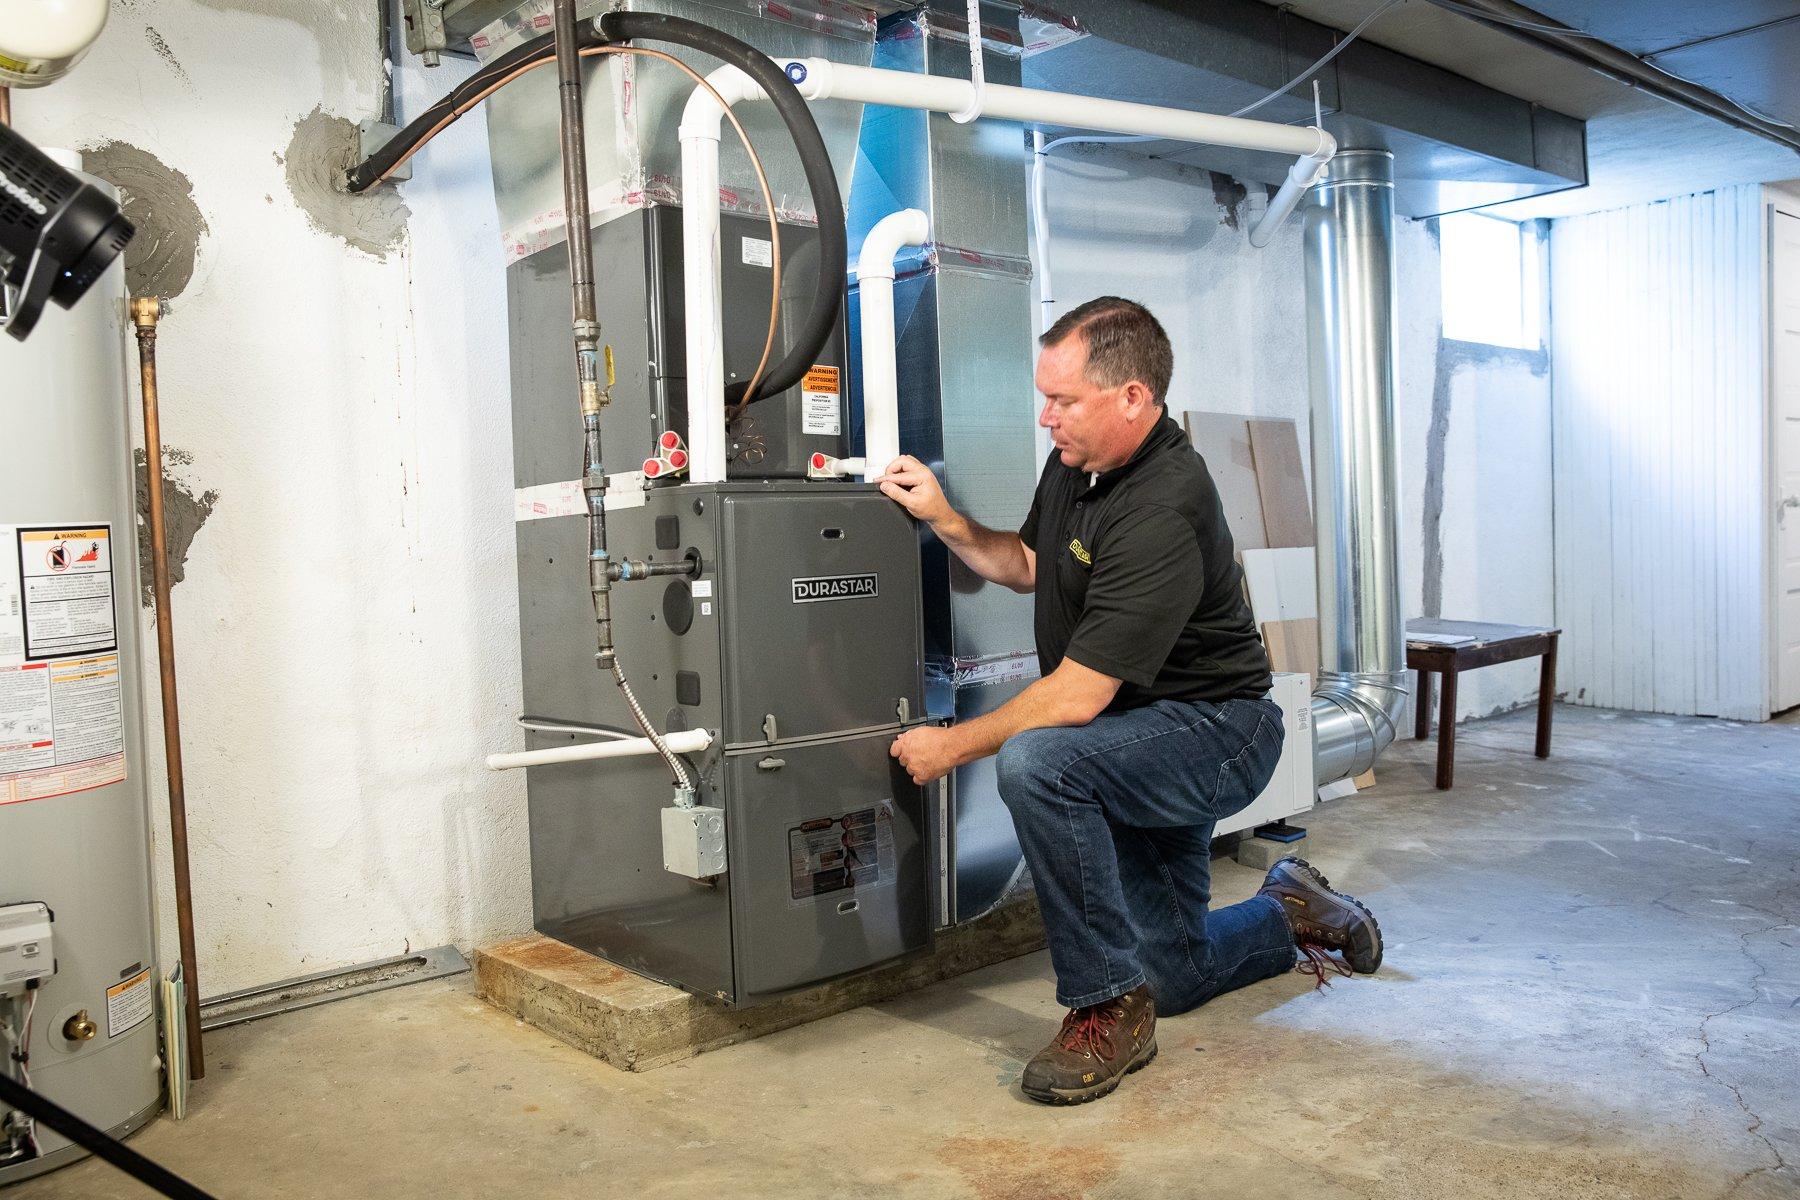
1493, 281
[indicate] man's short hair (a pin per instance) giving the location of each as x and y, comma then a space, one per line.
1124, 342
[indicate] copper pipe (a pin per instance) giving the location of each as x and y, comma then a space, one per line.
5, 105
145, 313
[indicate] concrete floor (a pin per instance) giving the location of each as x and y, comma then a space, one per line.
1592, 989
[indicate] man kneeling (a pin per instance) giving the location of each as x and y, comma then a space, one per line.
1151, 722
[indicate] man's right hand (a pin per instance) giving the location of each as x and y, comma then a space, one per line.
910, 484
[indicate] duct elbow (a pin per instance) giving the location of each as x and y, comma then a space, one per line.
1355, 718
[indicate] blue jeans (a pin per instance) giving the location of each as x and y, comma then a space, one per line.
1116, 819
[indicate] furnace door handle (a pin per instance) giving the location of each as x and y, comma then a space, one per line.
771, 764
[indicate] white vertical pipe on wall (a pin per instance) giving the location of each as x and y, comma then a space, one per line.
1657, 324
705, 341
880, 382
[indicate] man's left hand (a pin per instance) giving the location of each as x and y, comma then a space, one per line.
927, 752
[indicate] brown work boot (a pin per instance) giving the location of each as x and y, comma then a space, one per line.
1096, 1047
1323, 920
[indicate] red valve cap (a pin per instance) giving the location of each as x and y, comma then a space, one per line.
670, 439
818, 462
678, 459
652, 468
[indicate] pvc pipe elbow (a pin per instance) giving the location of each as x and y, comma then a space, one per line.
908, 227
1305, 172
702, 117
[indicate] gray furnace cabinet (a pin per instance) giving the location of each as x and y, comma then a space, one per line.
799, 645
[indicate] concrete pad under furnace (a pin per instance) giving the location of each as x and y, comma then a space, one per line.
638, 1024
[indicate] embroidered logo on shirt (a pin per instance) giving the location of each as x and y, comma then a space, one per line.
1080, 552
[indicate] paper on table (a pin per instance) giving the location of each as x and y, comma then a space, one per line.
1440, 639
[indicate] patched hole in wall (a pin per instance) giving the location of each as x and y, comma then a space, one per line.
185, 510
159, 202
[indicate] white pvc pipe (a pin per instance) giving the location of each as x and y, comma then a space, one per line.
1302, 175
821, 79
880, 381
705, 304
1040, 230
823, 466
687, 741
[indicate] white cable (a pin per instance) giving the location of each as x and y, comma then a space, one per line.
1336, 50
1101, 137
25, 1072
977, 69
1040, 227
1483, 15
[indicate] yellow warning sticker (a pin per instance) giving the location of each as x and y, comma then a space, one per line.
820, 411
129, 1004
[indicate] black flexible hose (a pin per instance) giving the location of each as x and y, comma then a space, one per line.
789, 104
97, 1141
815, 159
365, 174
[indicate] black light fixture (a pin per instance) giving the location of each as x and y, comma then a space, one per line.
57, 234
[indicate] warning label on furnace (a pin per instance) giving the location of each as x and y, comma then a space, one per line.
62, 719
835, 854
820, 410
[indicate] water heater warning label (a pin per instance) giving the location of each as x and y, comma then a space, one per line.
129, 1004
835, 854
62, 719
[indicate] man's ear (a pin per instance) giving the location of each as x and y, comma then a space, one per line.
1139, 401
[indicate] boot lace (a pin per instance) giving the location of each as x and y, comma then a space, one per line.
1089, 1030
1318, 961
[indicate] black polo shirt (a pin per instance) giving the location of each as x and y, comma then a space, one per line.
1136, 578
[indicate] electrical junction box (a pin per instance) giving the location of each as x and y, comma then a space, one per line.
694, 841
27, 954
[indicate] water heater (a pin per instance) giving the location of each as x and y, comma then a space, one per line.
74, 827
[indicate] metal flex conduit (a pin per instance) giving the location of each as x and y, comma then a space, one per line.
1350, 283
586, 327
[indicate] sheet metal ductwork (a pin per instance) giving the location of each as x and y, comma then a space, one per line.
1350, 285
964, 358
1457, 144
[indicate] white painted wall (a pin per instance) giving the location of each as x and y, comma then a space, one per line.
1661, 449
347, 630
1153, 231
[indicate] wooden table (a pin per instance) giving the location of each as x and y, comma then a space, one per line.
1486, 645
